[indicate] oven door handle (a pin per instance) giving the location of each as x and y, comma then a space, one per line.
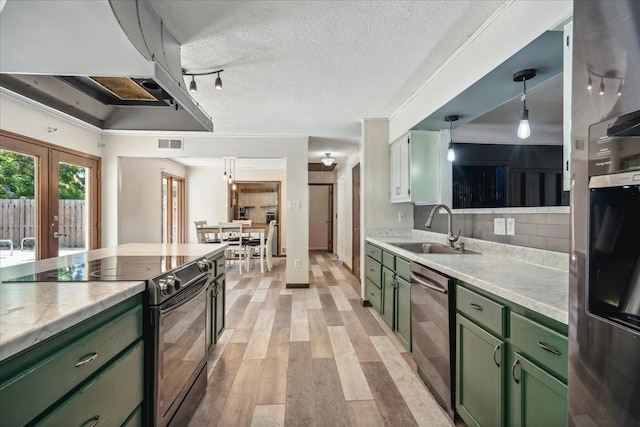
194, 294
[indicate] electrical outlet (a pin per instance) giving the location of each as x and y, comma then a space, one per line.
401, 216
296, 263
511, 226
498, 226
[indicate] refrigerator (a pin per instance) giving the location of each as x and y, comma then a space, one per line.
604, 280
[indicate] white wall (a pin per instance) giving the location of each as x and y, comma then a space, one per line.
140, 198
512, 28
293, 149
345, 179
25, 118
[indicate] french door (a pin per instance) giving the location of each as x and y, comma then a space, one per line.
172, 209
53, 200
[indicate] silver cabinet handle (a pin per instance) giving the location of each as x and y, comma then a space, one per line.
495, 351
87, 360
476, 306
416, 279
549, 349
95, 420
513, 371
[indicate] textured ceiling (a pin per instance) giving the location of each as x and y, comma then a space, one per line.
315, 68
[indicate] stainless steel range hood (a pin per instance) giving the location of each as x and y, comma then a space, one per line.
110, 63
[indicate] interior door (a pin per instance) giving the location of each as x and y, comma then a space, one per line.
320, 217
173, 201
355, 194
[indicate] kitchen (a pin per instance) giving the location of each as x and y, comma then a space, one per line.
376, 135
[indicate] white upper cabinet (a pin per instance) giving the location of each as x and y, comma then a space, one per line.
414, 168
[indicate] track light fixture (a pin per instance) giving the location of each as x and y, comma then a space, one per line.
608, 75
524, 131
193, 87
451, 155
328, 160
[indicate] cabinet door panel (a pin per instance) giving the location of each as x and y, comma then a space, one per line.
479, 375
403, 311
220, 306
388, 297
538, 399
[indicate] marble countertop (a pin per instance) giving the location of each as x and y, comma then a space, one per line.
32, 312
537, 287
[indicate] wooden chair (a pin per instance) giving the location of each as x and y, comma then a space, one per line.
254, 245
231, 234
203, 236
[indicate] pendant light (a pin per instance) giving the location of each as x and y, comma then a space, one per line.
451, 155
522, 76
224, 175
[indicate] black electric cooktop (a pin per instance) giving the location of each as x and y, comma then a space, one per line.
114, 268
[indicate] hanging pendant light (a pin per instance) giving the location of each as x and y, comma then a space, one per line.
219, 81
451, 154
524, 131
224, 175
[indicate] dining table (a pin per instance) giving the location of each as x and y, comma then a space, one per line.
256, 228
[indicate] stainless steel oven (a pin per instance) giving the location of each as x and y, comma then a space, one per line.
177, 350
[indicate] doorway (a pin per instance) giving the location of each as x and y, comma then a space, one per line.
355, 202
321, 217
172, 209
52, 204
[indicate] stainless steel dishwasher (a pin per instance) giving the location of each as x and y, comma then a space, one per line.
433, 332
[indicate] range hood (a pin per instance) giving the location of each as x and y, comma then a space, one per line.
109, 63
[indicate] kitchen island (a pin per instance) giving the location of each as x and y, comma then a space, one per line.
72, 330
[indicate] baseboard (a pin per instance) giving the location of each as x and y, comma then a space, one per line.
297, 286
365, 303
347, 267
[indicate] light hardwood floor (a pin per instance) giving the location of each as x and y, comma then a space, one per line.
309, 357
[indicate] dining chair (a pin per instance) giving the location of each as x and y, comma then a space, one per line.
254, 246
203, 236
231, 234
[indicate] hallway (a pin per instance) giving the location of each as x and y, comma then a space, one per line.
312, 357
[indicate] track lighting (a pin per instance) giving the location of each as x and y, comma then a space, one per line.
328, 161
524, 131
451, 154
193, 87
601, 88
589, 84
619, 93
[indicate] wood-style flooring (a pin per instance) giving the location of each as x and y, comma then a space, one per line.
309, 357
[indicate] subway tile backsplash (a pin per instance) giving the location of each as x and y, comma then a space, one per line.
536, 230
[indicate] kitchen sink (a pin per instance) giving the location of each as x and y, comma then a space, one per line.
432, 248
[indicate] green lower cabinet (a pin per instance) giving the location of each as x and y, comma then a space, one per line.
538, 399
480, 375
403, 311
211, 316
220, 306
388, 297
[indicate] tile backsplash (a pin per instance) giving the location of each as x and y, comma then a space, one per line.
535, 230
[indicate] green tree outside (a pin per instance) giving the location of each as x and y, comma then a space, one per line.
17, 178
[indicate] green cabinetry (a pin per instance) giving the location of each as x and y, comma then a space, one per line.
511, 363
216, 302
92, 371
414, 168
388, 289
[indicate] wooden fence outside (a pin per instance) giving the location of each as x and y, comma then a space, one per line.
18, 220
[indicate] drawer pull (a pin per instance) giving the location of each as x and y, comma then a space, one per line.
476, 306
91, 358
95, 420
513, 371
549, 349
495, 351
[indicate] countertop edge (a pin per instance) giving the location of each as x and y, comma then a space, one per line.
554, 313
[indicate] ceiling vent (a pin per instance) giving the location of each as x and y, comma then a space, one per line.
172, 144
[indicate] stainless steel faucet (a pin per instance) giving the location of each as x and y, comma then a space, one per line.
450, 237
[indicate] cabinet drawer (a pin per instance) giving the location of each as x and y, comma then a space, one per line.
403, 268
54, 375
220, 263
373, 294
374, 270
109, 399
483, 310
389, 260
547, 347
374, 252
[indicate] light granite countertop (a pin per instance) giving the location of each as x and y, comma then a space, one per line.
31, 312
532, 279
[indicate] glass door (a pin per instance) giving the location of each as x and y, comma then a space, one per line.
172, 209
54, 198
